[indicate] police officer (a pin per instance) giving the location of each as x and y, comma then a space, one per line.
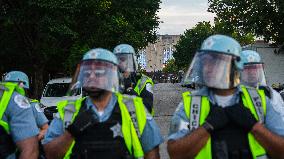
224, 119
134, 83
22, 80
18, 128
105, 123
253, 75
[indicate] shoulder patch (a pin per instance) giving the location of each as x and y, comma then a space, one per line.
38, 108
22, 101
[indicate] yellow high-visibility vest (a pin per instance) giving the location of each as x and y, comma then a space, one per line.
197, 109
131, 128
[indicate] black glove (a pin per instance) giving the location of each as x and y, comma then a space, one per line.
217, 117
241, 116
127, 83
83, 120
131, 91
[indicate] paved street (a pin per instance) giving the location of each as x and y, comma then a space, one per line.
166, 98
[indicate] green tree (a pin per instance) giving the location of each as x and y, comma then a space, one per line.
192, 39
260, 17
170, 66
190, 42
221, 27
42, 37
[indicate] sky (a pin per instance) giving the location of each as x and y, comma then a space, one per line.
179, 15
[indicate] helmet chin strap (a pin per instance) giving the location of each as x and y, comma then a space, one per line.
97, 94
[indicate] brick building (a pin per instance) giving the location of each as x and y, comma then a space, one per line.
155, 56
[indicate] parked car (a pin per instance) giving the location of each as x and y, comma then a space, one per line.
56, 90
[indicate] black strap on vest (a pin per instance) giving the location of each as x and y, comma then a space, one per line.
266, 90
102, 140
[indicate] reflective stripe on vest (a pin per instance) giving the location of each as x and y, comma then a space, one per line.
132, 125
142, 83
7, 91
257, 150
257, 102
201, 110
131, 133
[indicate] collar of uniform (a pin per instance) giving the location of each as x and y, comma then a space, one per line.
205, 91
107, 111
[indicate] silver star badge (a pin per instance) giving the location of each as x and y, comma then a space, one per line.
116, 129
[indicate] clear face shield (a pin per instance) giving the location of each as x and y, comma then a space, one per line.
95, 75
126, 62
253, 75
214, 70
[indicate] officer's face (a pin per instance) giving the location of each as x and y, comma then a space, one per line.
208, 66
216, 69
123, 62
21, 84
250, 74
95, 77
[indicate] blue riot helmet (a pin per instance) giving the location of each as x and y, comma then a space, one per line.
125, 54
97, 71
253, 73
217, 64
18, 77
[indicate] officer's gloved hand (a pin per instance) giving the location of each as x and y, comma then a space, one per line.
131, 91
83, 120
127, 82
241, 116
217, 118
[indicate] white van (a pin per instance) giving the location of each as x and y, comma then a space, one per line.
56, 90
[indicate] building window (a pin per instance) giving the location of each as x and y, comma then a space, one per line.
142, 60
168, 54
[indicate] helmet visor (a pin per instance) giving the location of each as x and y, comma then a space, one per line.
213, 70
126, 62
93, 74
253, 75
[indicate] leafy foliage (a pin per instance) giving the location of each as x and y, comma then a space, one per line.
221, 27
192, 39
42, 37
190, 42
170, 66
260, 17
